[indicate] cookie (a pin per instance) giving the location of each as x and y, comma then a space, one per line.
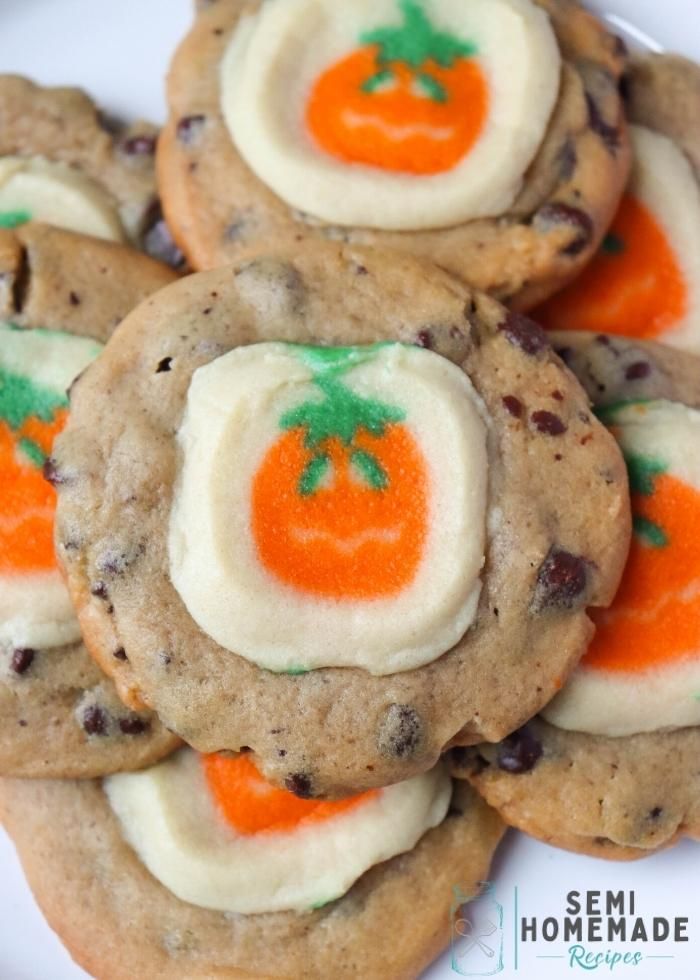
62, 295
610, 766
377, 127
64, 831
322, 499
645, 281
64, 162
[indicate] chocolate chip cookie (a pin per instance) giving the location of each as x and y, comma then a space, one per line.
61, 295
65, 162
63, 831
609, 768
271, 139
330, 503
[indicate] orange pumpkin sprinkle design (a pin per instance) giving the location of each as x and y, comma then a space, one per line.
251, 805
634, 286
410, 100
655, 619
340, 501
30, 419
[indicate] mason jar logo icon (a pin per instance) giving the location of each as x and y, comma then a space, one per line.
477, 933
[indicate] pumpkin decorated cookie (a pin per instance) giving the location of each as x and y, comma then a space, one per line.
59, 715
218, 873
485, 135
346, 534
64, 163
645, 280
619, 743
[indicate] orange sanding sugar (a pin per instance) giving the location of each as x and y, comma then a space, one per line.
252, 805
28, 501
634, 286
399, 126
655, 618
359, 533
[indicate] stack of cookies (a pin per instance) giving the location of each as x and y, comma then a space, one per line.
323, 562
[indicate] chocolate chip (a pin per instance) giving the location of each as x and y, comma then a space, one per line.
638, 370
361, 270
513, 405
561, 581
568, 159
556, 214
519, 752
548, 423
610, 135
120, 654
557, 396
95, 720
99, 589
52, 473
189, 128
524, 333
424, 339
143, 145
164, 365
400, 731
656, 812
114, 562
299, 784
74, 298
133, 725
22, 660
158, 241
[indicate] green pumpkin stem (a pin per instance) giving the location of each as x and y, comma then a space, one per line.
415, 43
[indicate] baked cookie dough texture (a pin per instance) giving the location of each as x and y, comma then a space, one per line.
645, 280
633, 700
64, 163
330, 467
59, 716
489, 138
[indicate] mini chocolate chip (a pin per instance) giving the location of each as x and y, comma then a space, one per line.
189, 128
424, 339
207, 311
561, 581
656, 812
74, 298
281, 753
610, 135
638, 370
361, 270
299, 784
519, 752
115, 562
557, 214
568, 159
548, 423
22, 723
400, 731
133, 725
120, 654
513, 405
143, 145
158, 241
22, 660
99, 589
557, 396
164, 365
95, 720
52, 473
524, 333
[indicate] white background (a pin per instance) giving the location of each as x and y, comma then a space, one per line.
119, 51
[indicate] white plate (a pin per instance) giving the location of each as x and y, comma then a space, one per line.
119, 51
